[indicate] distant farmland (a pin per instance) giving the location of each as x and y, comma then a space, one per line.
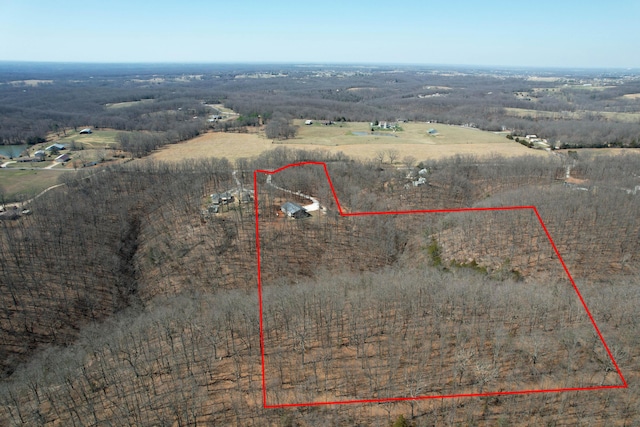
414, 140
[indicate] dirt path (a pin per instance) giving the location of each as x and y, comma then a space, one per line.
17, 205
315, 203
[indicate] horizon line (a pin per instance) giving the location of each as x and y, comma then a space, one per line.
323, 64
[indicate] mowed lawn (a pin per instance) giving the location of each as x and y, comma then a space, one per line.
17, 185
413, 140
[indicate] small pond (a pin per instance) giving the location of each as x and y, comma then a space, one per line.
12, 150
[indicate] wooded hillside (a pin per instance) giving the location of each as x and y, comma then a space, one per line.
126, 302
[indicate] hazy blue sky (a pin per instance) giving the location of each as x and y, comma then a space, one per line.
560, 33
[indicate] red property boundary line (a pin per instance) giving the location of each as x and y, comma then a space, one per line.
419, 211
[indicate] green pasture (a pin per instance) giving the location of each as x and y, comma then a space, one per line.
18, 185
97, 139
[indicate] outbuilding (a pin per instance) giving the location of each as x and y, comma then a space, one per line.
294, 210
55, 147
62, 158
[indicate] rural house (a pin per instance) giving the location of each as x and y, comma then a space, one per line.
222, 198
294, 210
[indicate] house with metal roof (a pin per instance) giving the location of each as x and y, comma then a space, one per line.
55, 147
294, 210
62, 158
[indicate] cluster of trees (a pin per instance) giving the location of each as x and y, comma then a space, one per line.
140, 144
280, 127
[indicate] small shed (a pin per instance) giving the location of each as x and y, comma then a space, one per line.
62, 158
86, 131
294, 210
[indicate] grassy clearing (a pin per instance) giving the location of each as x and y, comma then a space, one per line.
587, 87
223, 110
412, 141
129, 103
573, 115
17, 185
412, 133
39, 165
97, 139
229, 145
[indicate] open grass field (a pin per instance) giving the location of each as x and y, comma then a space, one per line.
97, 139
413, 141
223, 110
39, 165
129, 103
16, 185
573, 115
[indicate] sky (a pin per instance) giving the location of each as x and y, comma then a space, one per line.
515, 33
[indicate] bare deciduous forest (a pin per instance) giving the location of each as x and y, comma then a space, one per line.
127, 301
